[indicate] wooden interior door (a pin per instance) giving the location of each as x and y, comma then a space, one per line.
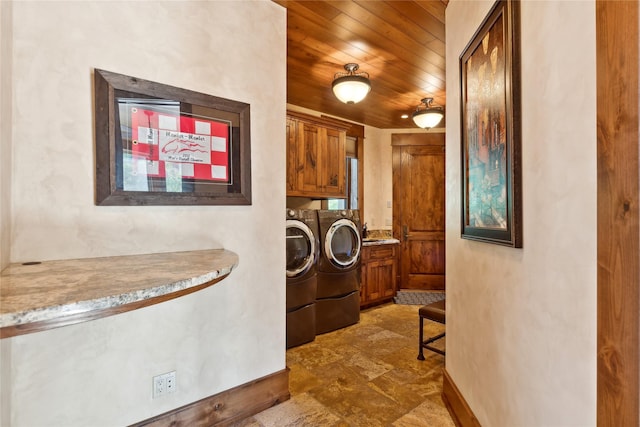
419, 209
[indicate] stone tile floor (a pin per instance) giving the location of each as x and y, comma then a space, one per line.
364, 375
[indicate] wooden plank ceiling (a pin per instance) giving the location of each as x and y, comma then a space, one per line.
401, 44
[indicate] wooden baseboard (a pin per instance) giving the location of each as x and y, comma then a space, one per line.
456, 404
230, 406
376, 303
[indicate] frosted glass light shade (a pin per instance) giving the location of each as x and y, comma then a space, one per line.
428, 118
351, 89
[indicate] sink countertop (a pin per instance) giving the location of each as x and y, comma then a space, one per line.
51, 294
381, 241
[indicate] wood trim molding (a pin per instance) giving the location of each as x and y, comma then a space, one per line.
228, 407
457, 406
354, 129
618, 221
396, 221
361, 178
325, 121
418, 138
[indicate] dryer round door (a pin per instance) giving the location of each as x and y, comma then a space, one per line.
301, 248
342, 243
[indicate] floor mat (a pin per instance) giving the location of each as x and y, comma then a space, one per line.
418, 297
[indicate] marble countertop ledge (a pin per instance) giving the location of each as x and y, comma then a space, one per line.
52, 294
383, 241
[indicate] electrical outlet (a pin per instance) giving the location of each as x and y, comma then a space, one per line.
164, 384
171, 382
159, 386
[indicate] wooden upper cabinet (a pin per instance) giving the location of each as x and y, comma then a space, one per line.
316, 156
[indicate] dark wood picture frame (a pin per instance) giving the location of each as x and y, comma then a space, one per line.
491, 129
204, 158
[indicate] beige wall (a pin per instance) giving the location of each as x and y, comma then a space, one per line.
99, 373
377, 177
5, 131
5, 180
521, 323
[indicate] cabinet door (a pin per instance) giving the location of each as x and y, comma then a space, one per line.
364, 292
373, 281
379, 274
332, 167
364, 258
309, 141
380, 279
388, 285
292, 156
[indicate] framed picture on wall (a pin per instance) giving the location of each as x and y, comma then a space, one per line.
162, 145
491, 134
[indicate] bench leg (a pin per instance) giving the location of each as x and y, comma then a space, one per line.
429, 341
420, 354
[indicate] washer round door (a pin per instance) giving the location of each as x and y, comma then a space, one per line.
342, 243
301, 248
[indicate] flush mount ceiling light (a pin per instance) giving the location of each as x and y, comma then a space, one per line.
428, 116
351, 87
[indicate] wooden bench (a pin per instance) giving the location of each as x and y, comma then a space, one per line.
434, 312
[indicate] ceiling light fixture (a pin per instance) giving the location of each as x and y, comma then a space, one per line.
351, 87
429, 116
